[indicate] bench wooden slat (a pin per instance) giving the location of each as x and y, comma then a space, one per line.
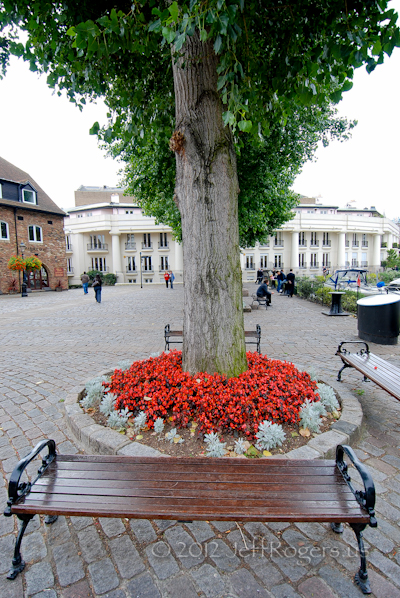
387, 376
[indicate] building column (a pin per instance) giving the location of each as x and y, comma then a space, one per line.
294, 255
341, 251
178, 261
116, 255
376, 255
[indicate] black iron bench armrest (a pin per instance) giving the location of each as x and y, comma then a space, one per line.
367, 498
341, 352
17, 490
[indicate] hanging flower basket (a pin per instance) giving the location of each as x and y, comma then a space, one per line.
32, 263
16, 262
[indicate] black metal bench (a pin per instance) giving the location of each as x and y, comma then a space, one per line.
383, 373
259, 300
186, 489
172, 337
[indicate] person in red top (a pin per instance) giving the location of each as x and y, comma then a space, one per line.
166, 278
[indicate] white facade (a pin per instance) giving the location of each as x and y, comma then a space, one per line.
118, 238
324, 236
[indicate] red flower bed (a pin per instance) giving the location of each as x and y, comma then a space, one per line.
270, 389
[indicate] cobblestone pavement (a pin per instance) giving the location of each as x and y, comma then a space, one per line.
52, 343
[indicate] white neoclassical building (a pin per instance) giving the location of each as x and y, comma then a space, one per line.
106, 231
324, 236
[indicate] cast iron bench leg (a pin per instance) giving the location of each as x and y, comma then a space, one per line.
345, 365
361, 578
337, 528
18, 564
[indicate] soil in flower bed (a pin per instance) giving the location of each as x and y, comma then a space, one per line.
193, 445
195, 405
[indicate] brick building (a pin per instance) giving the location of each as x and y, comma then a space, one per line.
28, 215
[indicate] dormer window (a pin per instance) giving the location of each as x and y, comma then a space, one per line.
28, 196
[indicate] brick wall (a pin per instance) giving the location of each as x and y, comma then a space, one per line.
51, 251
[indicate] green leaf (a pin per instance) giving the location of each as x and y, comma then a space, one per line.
71, 32
94, 129
217, 44
180, 41
203, 35
174, 11
245, 125
169, 34
228, 118
347, 85
155, 26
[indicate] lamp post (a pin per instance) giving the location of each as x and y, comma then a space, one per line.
23, 286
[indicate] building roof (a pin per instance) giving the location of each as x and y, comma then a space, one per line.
11, 173
98, 206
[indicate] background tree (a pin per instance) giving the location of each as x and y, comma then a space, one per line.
236, 67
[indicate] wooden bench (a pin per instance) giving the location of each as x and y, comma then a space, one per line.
173, 336
189, 489
383, 373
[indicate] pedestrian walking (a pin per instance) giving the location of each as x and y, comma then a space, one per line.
280, 278
166, 278
171, 279
85, 282
260, 275
290, 278
97, 288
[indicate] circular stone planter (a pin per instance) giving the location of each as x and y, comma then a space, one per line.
96, 439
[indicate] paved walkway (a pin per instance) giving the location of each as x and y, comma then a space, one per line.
52, 343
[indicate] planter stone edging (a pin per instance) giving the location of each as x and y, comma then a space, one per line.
97, 439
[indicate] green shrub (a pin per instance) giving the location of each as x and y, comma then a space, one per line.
307, 286
371, 278
93, 273
110, 279
388, 276
324, 295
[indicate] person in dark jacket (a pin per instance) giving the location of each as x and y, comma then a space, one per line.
97, 288
280, 278
263, 291
290, 278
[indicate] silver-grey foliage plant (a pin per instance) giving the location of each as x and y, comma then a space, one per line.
94, 392
118, 419
215, 448
159, 425
310, 415
328, 397
139, 421
240, 447
107, 404
269, 435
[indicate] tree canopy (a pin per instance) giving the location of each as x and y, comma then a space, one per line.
209, 77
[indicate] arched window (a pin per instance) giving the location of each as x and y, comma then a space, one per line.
4, 232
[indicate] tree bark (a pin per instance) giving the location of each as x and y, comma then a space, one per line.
207, 196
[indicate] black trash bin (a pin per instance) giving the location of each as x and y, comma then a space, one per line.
379, 319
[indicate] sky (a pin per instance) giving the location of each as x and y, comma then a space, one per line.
48, 137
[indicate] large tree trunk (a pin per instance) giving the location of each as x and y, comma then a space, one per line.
206, 194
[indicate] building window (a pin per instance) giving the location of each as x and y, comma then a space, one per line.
99, 263
4, 232
35, 234
278, 239
302, 239
1, 191
130, 241
70, 269
28, 196
249, 261
314, 240
164, 263
354, 260
163, 240
278, 262
147, 267
97, 242
313, 260
263, 261
302, 260
364, 262
364, 241
146, 241
355, 242
326, 242
129, 212
325, 260
131, 267
68, 243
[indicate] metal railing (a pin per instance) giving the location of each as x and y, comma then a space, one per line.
314, 244
97, 246
70, 271
314, 265
302, 243
102, 270
364, 244
278, 243
355, 243
326, 243
163, 245
147, 245
130, 246
131, 270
